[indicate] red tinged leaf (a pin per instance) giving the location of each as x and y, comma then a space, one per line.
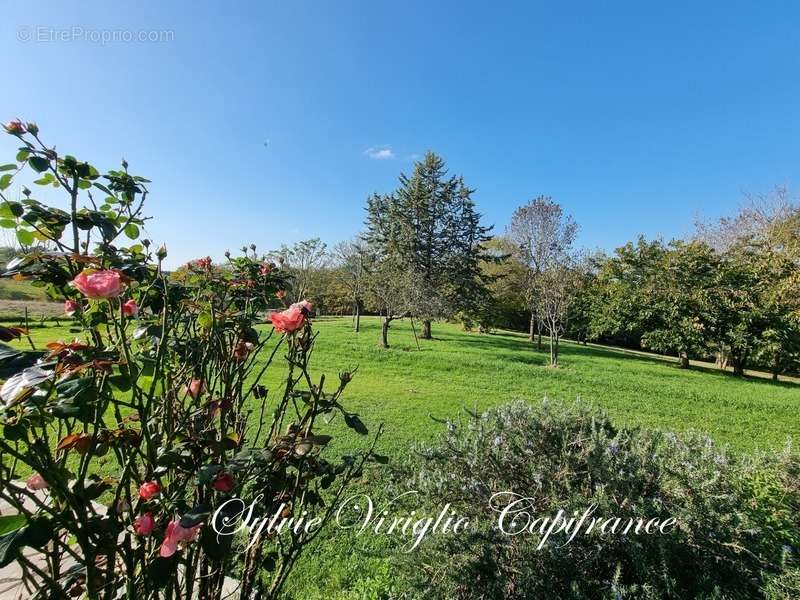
12, 333
79, 442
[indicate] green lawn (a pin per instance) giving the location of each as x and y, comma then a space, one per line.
403, 387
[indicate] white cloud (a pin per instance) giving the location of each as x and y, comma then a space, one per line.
380, 153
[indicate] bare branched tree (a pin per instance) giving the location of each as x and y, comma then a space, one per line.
542, 236
557, 289
303, 261
772, 218
353, 259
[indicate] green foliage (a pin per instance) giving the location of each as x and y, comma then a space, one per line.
735, 515
148, 410
429, 227
687, 299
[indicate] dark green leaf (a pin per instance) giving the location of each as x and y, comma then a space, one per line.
160, 570
355, 423
15, 432
38, 164
195, 516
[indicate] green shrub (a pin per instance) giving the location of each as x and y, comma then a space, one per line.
737, 516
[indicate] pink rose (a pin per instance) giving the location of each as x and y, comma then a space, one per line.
36, 482
203, 263
70, 306
223, 482
130, 308
15, 127
149, 489
98, 284
195, 388
289, 320
144, 524
265, 269
175, 535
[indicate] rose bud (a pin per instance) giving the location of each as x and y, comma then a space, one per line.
280, 294
144, 524
32, 128
195, 388
242, 350
130, 308
36, 482
223, 482
70, 307
15, 127
149, 489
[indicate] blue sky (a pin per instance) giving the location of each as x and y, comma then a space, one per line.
635, 116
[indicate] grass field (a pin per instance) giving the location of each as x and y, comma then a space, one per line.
403, 387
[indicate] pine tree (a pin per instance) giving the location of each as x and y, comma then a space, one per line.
430, 226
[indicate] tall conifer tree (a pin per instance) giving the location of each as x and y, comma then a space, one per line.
430, 226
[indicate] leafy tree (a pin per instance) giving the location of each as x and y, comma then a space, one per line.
622, 312
579, 314
504, 275
682, 295
757, 305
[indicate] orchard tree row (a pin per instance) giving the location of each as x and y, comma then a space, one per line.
728, 293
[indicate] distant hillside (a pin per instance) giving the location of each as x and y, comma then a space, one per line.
21, 290
17, 296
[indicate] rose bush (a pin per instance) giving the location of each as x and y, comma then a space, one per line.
119, 446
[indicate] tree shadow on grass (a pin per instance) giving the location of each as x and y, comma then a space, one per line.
510, 342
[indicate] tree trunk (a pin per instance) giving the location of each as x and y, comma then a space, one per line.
357, 325
553, 351
722, 358
539, 339
385, 333
684, 360
426, 330
739, 362
776, 367
533, 327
